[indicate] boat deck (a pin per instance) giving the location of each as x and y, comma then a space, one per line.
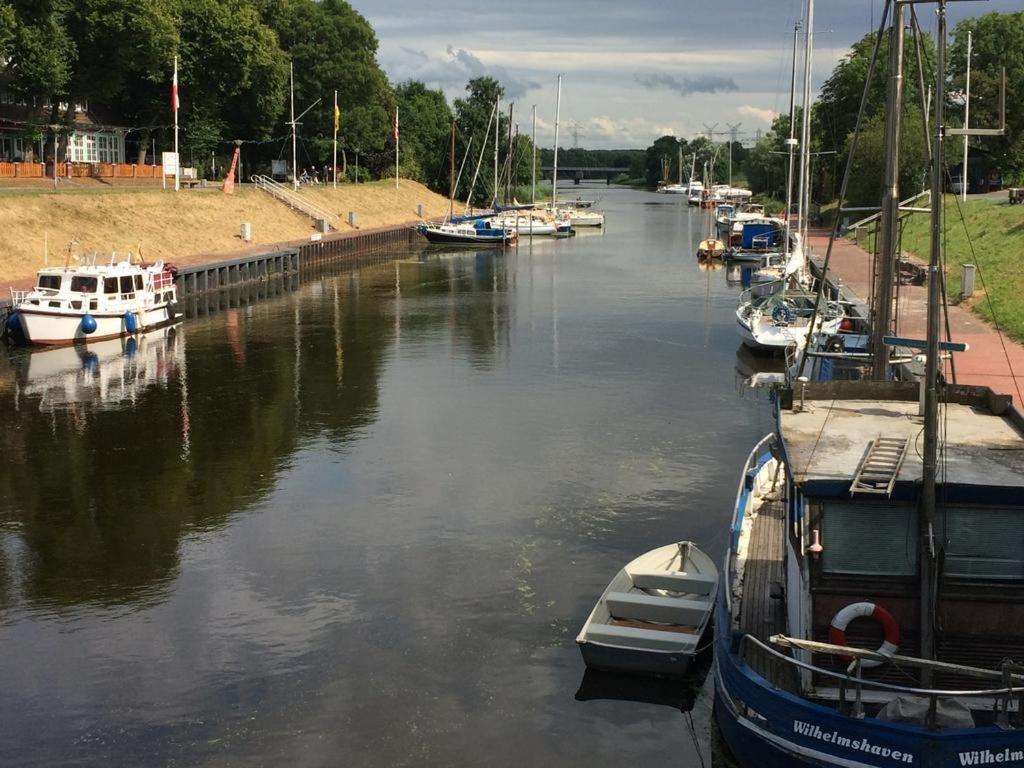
762, 615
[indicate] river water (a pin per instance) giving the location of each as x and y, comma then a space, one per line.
361, 523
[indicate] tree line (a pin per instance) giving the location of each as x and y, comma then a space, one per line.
234, 61
997, 42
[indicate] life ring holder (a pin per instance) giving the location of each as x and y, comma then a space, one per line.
842, 619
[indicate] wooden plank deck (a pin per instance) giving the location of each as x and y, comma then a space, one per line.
761, 615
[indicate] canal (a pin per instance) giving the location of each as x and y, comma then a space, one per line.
361, 523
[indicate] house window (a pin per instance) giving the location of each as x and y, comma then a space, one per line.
108, 148
983, 542
869, 540
10, 148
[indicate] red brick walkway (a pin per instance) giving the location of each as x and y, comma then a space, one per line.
985, 362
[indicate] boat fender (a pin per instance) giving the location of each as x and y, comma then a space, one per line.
172, 310
837, 630
783, 314
129, 322
12, 326
88, 324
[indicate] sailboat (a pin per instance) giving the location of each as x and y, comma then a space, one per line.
780, 313
870, 602
473, 231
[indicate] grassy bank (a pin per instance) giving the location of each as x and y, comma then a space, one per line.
996, 231
182, 226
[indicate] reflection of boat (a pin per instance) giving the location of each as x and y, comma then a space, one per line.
679, 693
651, 617
104, 372
94, 301
760, 370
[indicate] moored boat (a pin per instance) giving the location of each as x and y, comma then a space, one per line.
93, 301
651, 617
467, 233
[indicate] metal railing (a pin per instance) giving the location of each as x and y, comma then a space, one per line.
1008, 675
294, 200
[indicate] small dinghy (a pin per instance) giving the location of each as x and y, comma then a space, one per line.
710, 249
651, 617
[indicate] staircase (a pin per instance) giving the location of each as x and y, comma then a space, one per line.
295, 201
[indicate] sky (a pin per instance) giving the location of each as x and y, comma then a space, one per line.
633, 70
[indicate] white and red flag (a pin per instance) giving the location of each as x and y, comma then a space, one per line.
175, 103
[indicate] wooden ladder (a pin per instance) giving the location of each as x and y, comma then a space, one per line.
880, 466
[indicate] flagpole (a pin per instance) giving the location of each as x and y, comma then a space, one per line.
334, 163
177, 158
396, 146
295, 153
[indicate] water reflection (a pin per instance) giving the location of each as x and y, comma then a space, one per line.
365, 515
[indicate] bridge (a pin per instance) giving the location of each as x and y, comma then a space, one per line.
578, 172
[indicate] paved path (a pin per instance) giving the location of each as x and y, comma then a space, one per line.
986, 362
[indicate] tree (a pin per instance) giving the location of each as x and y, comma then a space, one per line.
333, 48
472, 115
425, 131
867, 172
997, 41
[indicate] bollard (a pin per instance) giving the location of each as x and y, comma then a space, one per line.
351, 218
247, 231
419, 210
966, 281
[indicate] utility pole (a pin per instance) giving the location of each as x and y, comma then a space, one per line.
733, 129
967, 121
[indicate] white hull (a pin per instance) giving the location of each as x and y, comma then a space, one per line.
651, 617
588, 219
55, 327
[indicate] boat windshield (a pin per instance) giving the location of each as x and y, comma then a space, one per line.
49, 282
84, 284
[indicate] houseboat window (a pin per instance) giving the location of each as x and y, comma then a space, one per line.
110, 285
869, 540
138, 282
51, 282
82, 284
983, 542
126, 284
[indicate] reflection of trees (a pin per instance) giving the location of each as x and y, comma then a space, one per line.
97, 499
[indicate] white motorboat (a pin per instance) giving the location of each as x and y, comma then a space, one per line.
581, 218
94, 301
651, 617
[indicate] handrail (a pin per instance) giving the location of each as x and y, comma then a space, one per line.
748, 638
296, 201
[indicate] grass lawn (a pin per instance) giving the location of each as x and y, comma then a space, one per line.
996, 230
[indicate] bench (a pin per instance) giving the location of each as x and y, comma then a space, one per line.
671, 610
676, 581
648, 639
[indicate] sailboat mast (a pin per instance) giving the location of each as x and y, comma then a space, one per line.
791, 141
889, 222
554, 172
680, 163
451, 175
805, 133
497, 141
931, 393
508, 181
533, 171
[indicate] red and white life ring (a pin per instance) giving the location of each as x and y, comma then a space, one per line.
837, 631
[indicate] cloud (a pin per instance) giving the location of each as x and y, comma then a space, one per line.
452, 70
684, 86
765, 116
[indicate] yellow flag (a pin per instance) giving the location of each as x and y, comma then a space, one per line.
337, 117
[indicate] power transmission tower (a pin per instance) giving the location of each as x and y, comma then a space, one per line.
733, 130
711, 138
575, 128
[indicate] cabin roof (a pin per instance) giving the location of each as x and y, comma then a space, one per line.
827, 440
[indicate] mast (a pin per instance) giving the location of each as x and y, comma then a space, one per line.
497, 141
889, 222
480, 162
508, 180
967, 122
791, 141
680, 163
291, 90
451, 174
554, 173
533, 172
805, 132
931, 393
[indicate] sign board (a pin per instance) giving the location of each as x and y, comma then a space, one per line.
279, 169
170, 163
